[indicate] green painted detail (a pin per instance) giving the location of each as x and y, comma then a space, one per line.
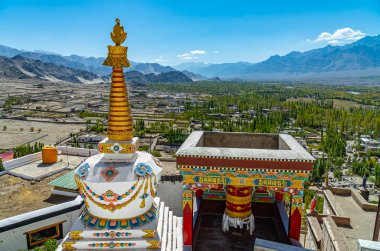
66, 181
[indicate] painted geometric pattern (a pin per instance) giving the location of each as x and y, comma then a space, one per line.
244, 177
118, 234
117, 148
100, 223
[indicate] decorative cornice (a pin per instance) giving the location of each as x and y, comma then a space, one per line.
242, 169
246, 158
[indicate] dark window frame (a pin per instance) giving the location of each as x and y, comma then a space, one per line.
57, 236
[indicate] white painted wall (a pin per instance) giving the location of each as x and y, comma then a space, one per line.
76, 151
22, 161
15, 239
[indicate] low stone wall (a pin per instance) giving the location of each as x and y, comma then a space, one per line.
314, 234
265, 245
68, 150
13, 229
331, 203
341, 191
167, 159
8, 165
362, 202
341, 221
331, 239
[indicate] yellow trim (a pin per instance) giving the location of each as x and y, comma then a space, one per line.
238, 200
154, 244
153, 208
75, 235
68, 245
149, 233
118, 99
238, 215
120, 137
120, 113
56, 225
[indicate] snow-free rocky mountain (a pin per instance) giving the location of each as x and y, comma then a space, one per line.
83, 69
358, 59
19, 67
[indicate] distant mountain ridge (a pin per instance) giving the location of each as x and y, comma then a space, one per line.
91, 64
358, 59
19, 67
138, 73
138, 78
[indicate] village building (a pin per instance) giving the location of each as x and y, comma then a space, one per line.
236, 182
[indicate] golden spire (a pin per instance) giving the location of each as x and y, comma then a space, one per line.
118, 35
120, 125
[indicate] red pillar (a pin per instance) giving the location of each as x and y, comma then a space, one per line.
279, 196
187, 206
295, 223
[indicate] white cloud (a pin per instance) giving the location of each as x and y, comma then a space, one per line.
191, 54
340, 36
198, 52
161, 59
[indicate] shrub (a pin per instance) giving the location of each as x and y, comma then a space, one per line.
156, 153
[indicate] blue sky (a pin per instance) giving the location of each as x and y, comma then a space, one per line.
171, 32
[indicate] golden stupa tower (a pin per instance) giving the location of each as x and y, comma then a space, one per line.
118, 185
120, 124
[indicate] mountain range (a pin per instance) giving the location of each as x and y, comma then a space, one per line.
22, 64
358, 60
19, 67
355, 60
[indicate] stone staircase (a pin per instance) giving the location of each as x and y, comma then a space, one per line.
165, 234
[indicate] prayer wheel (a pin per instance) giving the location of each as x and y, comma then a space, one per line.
238, 210
238, 204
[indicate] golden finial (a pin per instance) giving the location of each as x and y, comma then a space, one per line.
118, 35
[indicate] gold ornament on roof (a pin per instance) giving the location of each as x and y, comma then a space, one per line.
120, 124
118, 35
117, 54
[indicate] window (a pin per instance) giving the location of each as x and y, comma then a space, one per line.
39, 236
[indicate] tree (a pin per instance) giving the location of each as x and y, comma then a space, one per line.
4, 127
32, 129
337, 173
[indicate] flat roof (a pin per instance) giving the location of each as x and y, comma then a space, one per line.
260, 146
38, 170
21, 196
66, 181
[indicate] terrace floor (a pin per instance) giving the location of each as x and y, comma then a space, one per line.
209, 235
37, 169
362, 222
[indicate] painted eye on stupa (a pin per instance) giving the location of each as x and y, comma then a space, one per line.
143, 169
109, 173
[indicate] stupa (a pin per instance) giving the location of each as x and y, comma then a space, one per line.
119, 185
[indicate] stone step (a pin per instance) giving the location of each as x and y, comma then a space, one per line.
160, 219
170, 232
179, 236
164, 237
